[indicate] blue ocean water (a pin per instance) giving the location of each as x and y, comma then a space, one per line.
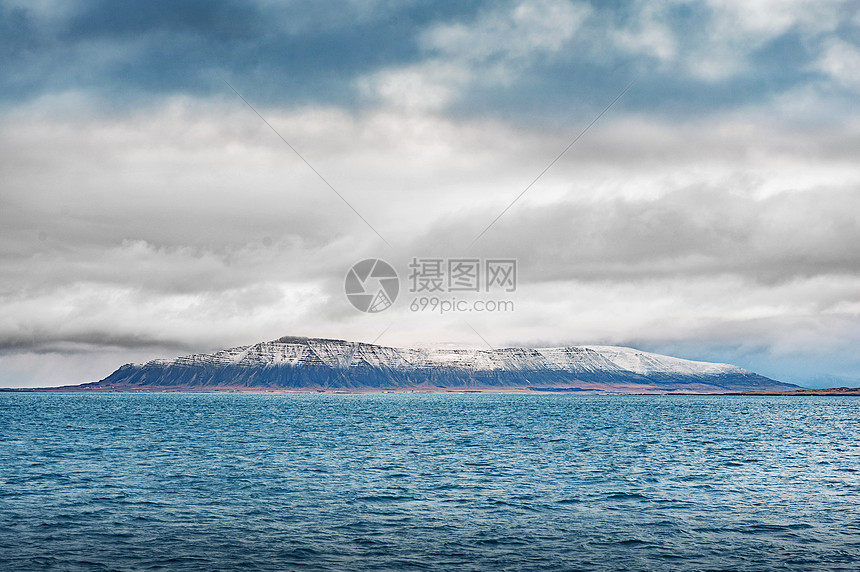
428, 482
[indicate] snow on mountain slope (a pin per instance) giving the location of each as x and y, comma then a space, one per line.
648, 363
295, 363
344, 355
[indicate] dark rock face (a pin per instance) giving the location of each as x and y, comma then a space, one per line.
310, 363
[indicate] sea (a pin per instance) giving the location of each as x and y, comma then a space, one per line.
182, 481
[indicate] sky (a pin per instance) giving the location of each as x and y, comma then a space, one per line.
179, 177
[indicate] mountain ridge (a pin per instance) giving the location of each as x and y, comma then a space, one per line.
294, 363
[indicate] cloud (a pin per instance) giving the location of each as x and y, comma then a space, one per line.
516, 33
648, 33
763, 20
840, 61
738, 30
198, 201
428, 86
532, 59
689, 232
290, 53
493, 49
723, 41
84, 316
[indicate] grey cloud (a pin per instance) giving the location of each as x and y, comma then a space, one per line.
47, 341
695, 231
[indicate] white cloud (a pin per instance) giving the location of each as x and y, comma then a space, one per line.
648, 32
426, 86
840, 60
737, 28
765, 19
491, 50
525, 31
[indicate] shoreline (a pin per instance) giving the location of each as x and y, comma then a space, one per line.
836, 391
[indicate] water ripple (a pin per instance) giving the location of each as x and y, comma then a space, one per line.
417, 482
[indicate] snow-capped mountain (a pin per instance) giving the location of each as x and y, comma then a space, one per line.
312, 363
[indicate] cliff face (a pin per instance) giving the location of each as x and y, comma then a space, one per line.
310, 363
